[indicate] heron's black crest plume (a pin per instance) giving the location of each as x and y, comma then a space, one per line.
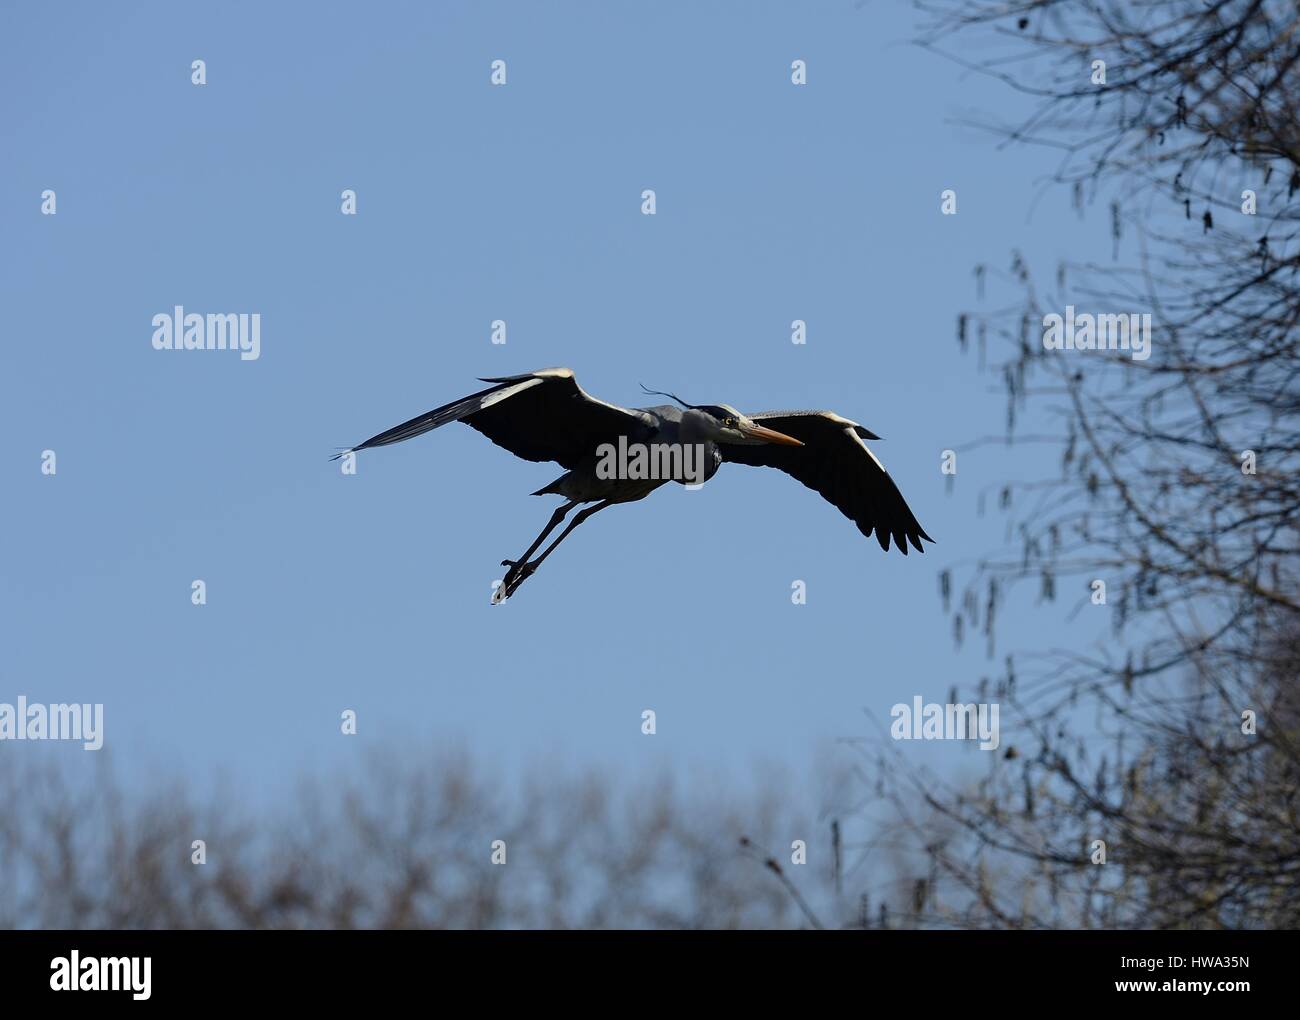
670, 396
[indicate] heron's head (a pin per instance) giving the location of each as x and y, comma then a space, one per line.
722, 423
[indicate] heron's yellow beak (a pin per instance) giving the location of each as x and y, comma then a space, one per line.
770, 435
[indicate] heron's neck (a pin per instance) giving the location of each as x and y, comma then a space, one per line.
693, 428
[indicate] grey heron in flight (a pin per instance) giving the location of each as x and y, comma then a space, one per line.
547, 416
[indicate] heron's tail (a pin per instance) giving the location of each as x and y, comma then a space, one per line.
551, 490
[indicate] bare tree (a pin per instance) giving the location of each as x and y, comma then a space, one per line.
1175, 744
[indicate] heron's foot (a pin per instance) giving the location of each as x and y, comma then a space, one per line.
515, 576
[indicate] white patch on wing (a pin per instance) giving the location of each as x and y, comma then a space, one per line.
841, 420
543, 374
638, 415
509, 391
828, 415
858, 439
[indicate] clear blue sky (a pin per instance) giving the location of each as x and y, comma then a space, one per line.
477, 203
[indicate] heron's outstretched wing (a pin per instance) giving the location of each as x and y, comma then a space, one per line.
538, 416
835, 461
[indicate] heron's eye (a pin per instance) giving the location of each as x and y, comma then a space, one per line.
729, 422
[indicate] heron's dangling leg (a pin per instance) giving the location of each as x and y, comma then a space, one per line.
551, 526
578, 518
518, 571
